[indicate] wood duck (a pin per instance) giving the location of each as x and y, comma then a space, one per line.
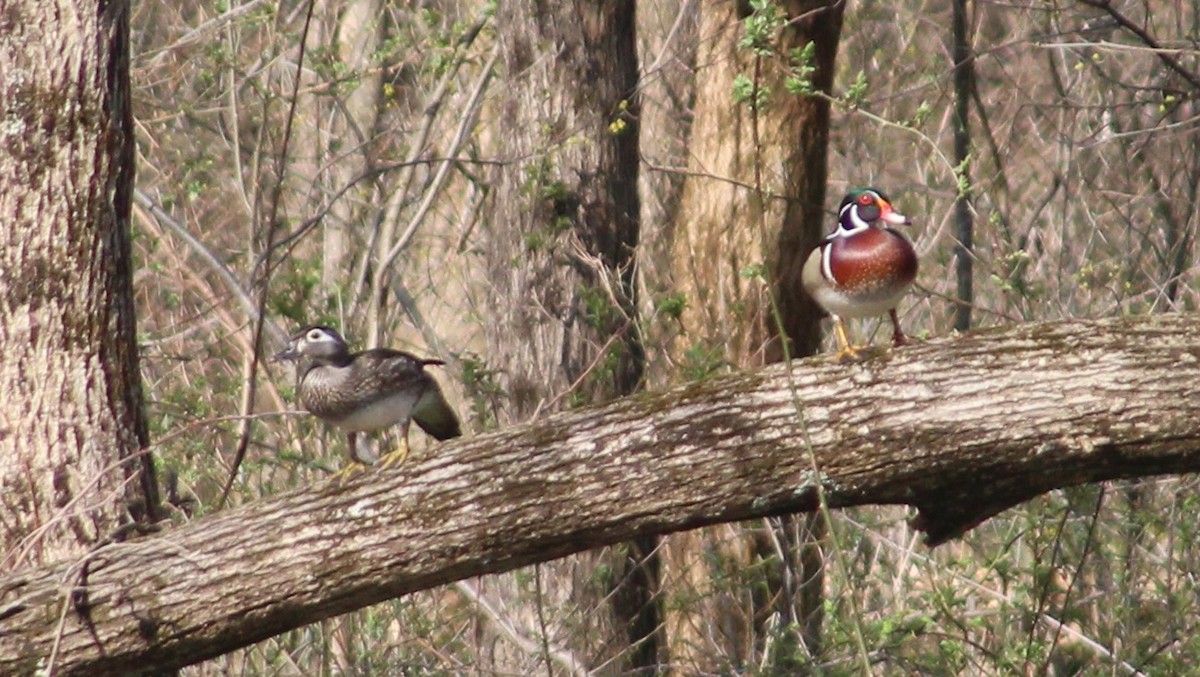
863, 268
367, 391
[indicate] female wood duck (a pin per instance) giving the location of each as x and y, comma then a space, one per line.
367, 391
863, 268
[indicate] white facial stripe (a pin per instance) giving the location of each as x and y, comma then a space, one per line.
826, 269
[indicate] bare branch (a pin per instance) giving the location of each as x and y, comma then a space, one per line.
1163, 55
508, 628
278, 336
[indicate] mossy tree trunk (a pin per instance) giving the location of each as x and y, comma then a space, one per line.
73, 465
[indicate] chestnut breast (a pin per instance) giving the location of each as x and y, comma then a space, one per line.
873, 259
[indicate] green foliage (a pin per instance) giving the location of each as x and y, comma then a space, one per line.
1098, 275
535, 240
540, 181
620, 124
392, 48
550, 196
754, 271
746, 91
296, 287
598, 384
701, 361
671, 305
856, 93
962, 178
332, 68
482, 387
759, 29
197, 177
921, 115
801, 66
598, 310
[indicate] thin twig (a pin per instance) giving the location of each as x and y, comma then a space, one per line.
508, 628
1044, 618
202, 31
210, 259
265, 271
1129, 25
383, 236
460, 137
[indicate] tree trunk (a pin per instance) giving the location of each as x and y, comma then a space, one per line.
561, 246
919, 426
561, 255
755, 198
667, 44
72, 430
964, 222
757, 192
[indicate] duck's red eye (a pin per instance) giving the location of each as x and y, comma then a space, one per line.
864, 199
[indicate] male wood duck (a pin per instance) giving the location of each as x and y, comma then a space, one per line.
367, 391
863, 268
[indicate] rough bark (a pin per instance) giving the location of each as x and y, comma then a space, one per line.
668, 38
755, 197
561, 245
757, 189
71, 422
960, 428
667, 35
561, 252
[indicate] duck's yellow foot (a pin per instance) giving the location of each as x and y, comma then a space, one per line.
398, 456
350, 470
848, 354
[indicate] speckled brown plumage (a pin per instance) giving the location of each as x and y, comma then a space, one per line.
369, 390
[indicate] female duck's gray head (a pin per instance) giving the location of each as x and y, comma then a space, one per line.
322, 344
